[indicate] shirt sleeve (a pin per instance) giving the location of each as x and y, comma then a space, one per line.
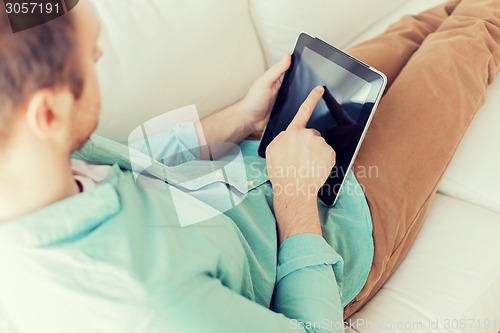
178, 145
306, 288
306, 298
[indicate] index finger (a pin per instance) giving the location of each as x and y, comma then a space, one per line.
306, 109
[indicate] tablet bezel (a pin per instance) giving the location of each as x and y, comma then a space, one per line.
377, 80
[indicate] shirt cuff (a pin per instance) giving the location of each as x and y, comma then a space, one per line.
187, 135
304, 250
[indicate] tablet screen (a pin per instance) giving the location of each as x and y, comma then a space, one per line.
341, 116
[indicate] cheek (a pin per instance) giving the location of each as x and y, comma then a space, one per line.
94, 91
90, 100
87, 108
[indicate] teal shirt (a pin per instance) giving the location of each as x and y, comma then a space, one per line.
122, 258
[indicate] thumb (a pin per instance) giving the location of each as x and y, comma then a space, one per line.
278, 69
307, 108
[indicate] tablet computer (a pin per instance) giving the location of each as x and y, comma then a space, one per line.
352, 92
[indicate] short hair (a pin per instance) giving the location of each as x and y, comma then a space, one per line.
38, 58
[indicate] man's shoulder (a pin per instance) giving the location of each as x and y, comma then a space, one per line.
101, 150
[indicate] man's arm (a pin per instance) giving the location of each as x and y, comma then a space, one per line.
299, 161
231, 125
217, 131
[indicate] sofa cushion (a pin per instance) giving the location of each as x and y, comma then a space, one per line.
163, 54
450, 276
279, 22
473, 174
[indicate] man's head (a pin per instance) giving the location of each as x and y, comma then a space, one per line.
48, 87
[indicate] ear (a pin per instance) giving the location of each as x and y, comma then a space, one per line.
48, 112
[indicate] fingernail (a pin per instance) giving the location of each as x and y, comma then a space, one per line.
318, 89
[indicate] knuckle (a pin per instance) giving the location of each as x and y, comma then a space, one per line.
309, 131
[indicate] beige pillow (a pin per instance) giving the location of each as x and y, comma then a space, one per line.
163, 54
279, 22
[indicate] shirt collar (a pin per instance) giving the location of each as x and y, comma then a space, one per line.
71, 218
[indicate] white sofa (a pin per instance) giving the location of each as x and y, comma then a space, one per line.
164, 54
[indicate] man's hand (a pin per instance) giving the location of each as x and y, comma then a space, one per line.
257, 104
299, 161
246, 117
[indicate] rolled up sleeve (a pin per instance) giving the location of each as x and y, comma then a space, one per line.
178, 145
307, 287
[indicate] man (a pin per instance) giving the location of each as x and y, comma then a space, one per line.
50, 116
83, 248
